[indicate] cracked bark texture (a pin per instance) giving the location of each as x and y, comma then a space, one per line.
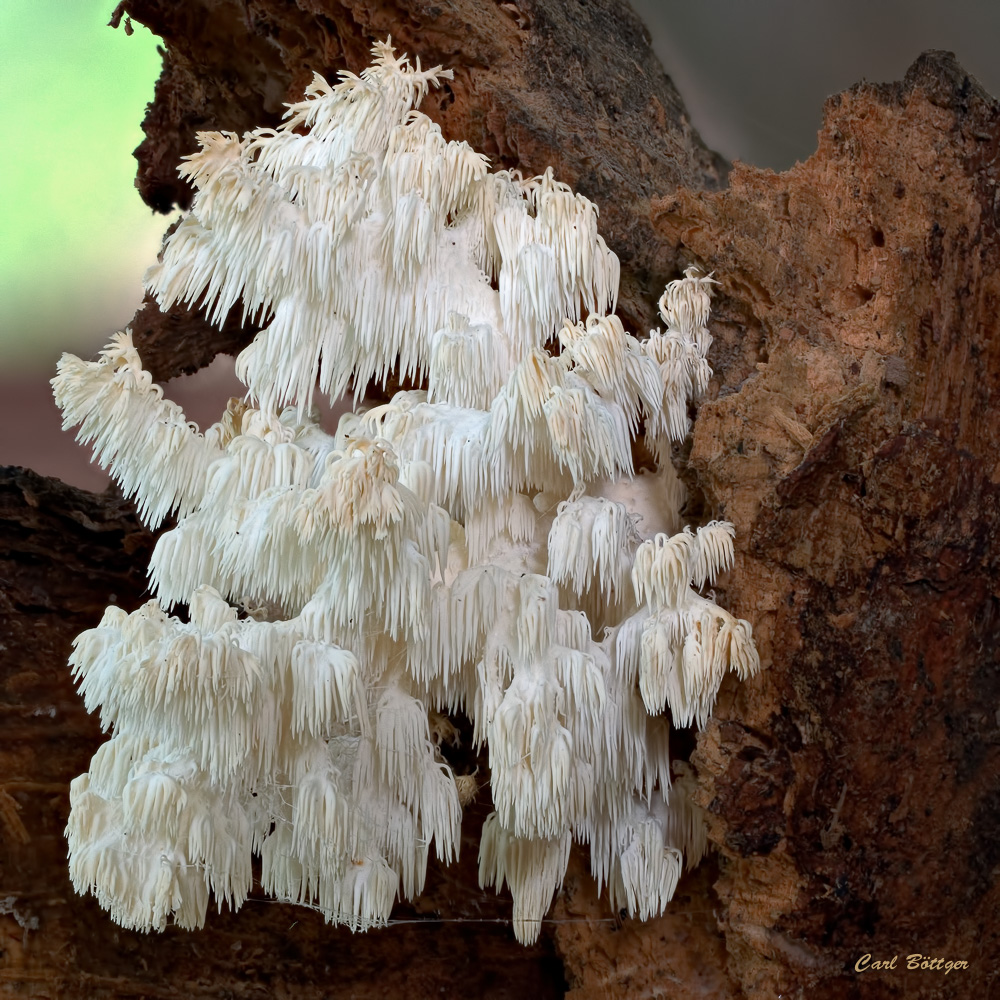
853, 788
849, 433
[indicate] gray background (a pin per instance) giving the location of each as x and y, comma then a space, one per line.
754, 74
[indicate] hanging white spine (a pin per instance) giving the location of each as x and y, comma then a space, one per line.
481, 544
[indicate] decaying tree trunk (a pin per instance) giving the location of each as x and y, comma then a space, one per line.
853, 788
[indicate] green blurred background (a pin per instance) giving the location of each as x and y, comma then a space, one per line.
75, 238
75, 235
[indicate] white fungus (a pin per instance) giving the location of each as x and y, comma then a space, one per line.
481, 545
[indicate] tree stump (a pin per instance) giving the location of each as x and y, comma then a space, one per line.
849, 433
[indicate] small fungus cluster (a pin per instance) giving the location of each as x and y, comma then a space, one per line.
482, 545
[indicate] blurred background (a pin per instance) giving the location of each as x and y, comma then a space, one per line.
75, 237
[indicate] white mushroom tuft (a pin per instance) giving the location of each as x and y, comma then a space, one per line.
480, 545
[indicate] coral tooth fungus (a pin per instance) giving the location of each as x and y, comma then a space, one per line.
463, 547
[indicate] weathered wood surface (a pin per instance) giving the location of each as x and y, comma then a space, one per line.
854, 789
850, 434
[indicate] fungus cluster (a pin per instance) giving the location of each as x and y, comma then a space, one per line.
480, 545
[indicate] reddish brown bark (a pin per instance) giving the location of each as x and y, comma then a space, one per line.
853, 787
849, 434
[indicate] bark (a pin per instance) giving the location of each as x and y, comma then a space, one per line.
852, 787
